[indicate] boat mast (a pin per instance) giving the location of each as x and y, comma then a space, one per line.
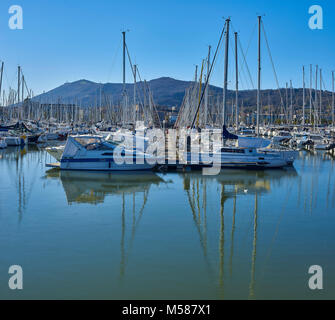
207, 87
225, 74
333, 99
286, 104
1, 79
135, 69
18, 83
124, 60
124, 102
22, 84
291, 103
196, 75
100, 108
303, 95
320, 107
259, 72
310, 93
316, 95
18, 91
236, 91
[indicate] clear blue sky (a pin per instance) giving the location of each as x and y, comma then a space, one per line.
71, 40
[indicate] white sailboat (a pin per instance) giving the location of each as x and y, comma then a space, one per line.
249, 152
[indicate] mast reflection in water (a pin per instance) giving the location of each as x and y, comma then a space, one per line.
240, 234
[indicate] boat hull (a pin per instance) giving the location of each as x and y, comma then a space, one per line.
14, 141
101, 165
253, 161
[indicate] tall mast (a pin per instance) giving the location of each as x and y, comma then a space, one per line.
333, 99
320, 107
259, 72
236, 91
303, 95
100, 103
207, 87
316, 95
1, 79
310, 93
22, 84
124, 60
18, 83
135, 69
291, 103
286, 103
225, 84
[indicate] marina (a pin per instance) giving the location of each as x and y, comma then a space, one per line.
217, 187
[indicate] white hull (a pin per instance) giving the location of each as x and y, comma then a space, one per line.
103, 166
248, 159
13, 141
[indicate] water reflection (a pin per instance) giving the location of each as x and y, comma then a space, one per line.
233, 183
15, 161
231, 220
93, 187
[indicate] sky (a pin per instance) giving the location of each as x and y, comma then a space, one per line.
64, 41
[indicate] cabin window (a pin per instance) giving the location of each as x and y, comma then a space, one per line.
231, 150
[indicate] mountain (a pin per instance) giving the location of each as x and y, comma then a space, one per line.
168, 92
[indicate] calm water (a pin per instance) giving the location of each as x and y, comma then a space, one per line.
176, 236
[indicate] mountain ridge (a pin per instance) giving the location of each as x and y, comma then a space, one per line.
166, 91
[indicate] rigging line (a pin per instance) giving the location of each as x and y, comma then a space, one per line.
274, 70
131, 64
245, 54
146, 89
25, 83
214, 62
209, 77
240, 80
9, 83
113, 60
245, 63
209, 73
133, 72
325, 90
141, 103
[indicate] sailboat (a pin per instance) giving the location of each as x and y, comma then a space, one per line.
249, 152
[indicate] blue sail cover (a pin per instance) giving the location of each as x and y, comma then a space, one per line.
227, 135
